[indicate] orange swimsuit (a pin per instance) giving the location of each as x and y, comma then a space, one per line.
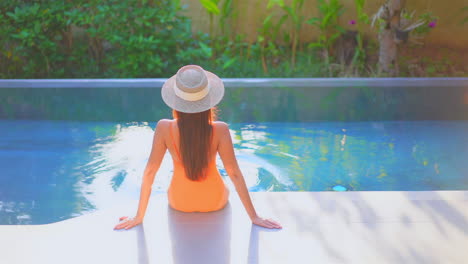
206, 195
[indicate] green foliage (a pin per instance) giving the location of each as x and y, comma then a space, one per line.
267, 35
214, 49
417, 25
211, 6
425, 19
328, 25
464, 10
270, 29
359, 57
226, 13
133, 41
293, 13
152, 38
362, 16
329, 11
126, 38
30, 36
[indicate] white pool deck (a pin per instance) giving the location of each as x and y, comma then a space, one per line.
318, 227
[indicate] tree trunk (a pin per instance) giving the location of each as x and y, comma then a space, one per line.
388, 52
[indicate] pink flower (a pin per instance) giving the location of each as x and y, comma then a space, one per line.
352, 22
433, 24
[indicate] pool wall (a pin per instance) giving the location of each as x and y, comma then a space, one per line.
246, 100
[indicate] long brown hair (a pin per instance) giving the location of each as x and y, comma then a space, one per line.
195, 133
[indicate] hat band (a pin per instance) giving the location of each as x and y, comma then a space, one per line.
191, 96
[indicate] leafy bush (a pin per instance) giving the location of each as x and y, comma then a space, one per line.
138, 38
30, 34
122, 38
328, 24
153, 38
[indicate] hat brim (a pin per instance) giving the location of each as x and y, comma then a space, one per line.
213, 97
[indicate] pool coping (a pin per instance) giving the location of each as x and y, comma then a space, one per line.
441, 82
328, 227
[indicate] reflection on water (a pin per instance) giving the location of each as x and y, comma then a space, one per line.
117, 164
63, 169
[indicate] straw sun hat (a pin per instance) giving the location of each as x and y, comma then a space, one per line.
192, 90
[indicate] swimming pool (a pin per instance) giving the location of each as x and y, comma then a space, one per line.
53, 170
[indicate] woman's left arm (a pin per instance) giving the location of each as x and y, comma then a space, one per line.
158, 150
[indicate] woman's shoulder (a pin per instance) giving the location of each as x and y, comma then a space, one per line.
165, 120
220, 125
163, 124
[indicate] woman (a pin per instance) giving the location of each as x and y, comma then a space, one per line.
193, 139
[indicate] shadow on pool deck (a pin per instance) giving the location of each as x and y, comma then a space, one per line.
204, 237
201, 238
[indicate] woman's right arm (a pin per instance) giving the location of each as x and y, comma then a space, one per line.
226, 152
158, 150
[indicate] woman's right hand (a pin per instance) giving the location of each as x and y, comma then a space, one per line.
268, 223
127, 223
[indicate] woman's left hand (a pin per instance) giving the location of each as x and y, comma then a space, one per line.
268, 223
127, 223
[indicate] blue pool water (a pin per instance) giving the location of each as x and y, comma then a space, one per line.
55, 170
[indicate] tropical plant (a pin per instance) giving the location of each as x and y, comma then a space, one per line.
395, 24
268, 34
105, 38
227, 11
359, 57
224, 12
328, 25
141, 41
425, 23
211, 6
30, 35
293, 13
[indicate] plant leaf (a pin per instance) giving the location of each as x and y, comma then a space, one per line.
210, 6
313, 21
228, 63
